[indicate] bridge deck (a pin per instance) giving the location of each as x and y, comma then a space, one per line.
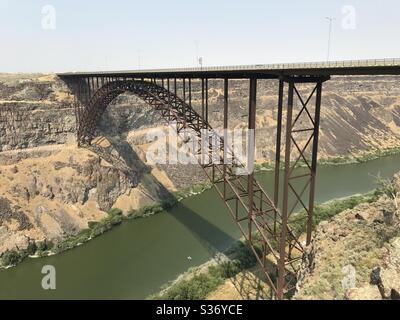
272, 71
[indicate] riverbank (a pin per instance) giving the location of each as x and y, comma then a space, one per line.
198, 283
359, 158
341, 160
46, 248
115, 217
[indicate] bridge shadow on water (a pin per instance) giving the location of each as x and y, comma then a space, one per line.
250, 284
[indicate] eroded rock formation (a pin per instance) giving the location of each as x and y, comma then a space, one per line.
356, 255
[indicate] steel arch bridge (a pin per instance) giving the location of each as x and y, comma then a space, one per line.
262, 218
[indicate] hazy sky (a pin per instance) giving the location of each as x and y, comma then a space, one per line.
128, 34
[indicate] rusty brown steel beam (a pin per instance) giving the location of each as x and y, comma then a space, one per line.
314, 162
251, 151
206, 118
190, 92
202, 99
169, 99
278, 146
284, 220
225, 154
184, 100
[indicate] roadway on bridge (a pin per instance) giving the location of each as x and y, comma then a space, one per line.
349, 67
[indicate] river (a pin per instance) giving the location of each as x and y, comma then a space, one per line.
136, 258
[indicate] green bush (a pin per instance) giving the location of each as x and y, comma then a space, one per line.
12, 257
228, 269
169, 203
328, 210
95, 229
43, 246
387, 187
92, 224
196, 288
32, 248
150, 210
115, 212
98, 230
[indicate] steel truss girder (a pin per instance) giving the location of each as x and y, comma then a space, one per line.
253, 210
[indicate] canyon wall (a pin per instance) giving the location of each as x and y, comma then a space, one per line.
358, 113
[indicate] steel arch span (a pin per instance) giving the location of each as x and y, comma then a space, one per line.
168, 104
265, 227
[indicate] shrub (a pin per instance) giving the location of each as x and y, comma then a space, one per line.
229, 269
92, 224
49, 245
169, 203
386, 186
152, 209
41, 246
61, 246
98, 230
115, 212
11, 258
326, 211
196, 288
32, 248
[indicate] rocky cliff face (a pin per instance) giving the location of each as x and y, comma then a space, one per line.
50, 189
356, 255
52, 196
358, 114
56, 191
35, 110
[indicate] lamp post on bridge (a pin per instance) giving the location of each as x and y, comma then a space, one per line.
330, 19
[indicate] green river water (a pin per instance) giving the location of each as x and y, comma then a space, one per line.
136, 258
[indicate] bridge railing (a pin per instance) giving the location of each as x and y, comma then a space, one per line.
334, 65
301, 65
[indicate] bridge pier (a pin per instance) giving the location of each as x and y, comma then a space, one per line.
296, 130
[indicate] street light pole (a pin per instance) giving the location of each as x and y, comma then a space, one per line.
330, 19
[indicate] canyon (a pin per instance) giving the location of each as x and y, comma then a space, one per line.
50, 189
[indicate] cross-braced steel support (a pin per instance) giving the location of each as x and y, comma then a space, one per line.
302, 133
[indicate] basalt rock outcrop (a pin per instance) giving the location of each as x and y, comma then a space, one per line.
35, 110
356, 255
